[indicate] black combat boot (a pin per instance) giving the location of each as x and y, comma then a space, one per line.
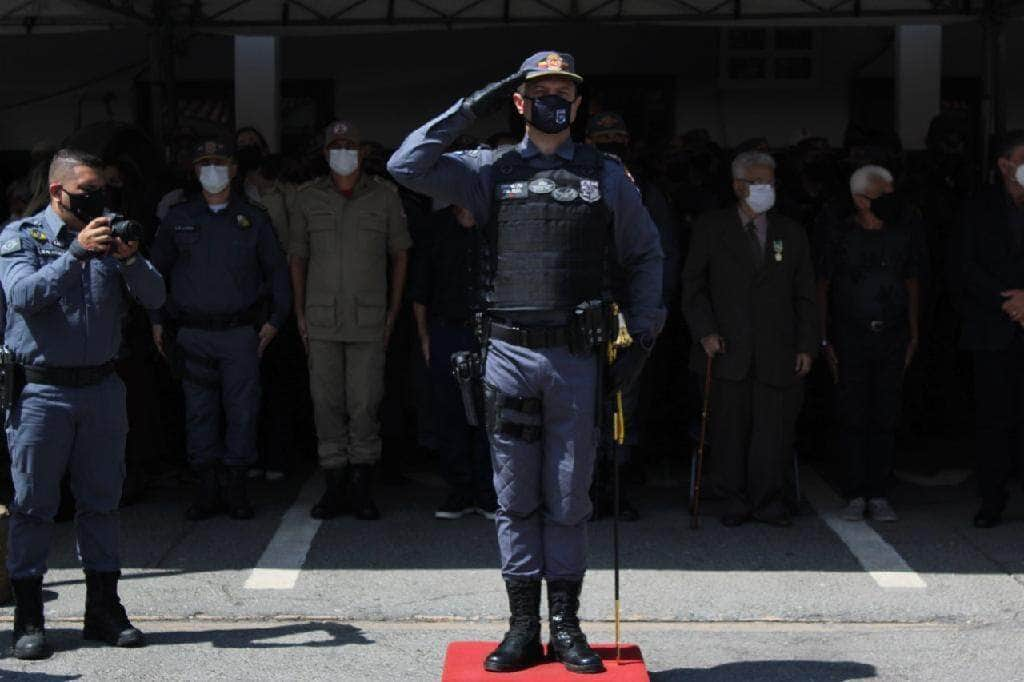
207, 503
334, 501
568, 643
105, 617
237, 499
362, 493
29, 636
520, 647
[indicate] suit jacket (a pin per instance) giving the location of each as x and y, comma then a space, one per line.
990, 260
766, 312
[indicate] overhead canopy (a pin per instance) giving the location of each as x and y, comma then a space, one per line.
299, 16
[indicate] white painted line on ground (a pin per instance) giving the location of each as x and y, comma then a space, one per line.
879, 559
279, 567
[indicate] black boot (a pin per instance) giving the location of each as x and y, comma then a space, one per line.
207, 503
568, 643
333, 502
29, 635
237, 499
105, 617
362, 493
520, 647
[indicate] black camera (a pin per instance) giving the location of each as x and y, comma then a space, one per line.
125, 229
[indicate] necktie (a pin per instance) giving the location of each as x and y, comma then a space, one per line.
756, 249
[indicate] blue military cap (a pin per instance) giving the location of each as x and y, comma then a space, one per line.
606, 122
550, 63
212, 148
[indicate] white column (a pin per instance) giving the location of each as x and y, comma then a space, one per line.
258, 86
918, 81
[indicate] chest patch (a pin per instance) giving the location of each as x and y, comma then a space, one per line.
50, 251
590, 191
513, 190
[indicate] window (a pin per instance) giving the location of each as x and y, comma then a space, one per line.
769, 57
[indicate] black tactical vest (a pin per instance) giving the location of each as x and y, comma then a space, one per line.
547, 243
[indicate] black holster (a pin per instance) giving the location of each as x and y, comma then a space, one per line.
12, 381
467, 368
588, 327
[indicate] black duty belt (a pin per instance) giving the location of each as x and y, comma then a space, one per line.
247, 318
530, 337
69, 377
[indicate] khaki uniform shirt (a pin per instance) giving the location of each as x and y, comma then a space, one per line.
346, 242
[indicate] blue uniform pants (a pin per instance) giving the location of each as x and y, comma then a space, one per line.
543, 485
222, 376
52, 430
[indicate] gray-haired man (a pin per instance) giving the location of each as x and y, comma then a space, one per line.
749, 300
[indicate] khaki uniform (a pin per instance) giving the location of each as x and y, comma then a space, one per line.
346, 242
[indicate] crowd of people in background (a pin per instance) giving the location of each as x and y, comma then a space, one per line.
391, 395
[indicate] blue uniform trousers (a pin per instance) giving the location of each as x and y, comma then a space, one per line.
542, 486
52, 430
222, 376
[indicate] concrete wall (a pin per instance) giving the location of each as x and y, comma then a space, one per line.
391, 83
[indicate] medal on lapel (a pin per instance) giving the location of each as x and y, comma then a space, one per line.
777, 248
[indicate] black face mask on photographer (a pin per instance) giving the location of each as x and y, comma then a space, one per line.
86, 206
887, 208
549, 114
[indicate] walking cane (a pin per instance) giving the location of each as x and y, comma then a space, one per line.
622, 340
705, 412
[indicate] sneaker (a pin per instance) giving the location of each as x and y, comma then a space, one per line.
880, 510
854, 511
455, 507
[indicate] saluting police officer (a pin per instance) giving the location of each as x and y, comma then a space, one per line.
220, 254
65, 278
553, 214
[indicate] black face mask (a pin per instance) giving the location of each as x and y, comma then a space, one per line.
86, 206
887, 208
619, 149
549, 114
248, 157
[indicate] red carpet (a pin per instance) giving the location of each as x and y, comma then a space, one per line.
464, 662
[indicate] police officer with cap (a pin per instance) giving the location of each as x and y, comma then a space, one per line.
555, 216
65, 277
219, 254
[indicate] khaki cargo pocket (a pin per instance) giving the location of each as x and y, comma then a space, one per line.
320, 310
370, 309
373, 230
322, 236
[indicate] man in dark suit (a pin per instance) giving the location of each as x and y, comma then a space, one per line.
749, 299
991, 283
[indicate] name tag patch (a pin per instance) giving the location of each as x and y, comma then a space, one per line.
513, 190
184, 229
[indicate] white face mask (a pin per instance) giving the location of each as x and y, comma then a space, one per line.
761, 198
344, 161
214, 179
1019, 175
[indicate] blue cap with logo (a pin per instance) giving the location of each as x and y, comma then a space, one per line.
550, 63
213, 148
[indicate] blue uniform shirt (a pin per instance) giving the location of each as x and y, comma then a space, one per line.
61, 311
465, 178
221, 263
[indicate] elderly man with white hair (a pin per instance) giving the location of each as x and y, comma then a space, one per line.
748, 298
868, 298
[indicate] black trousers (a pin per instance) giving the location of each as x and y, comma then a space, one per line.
464, 452
870, 384
999, 419
752, 444
287, 434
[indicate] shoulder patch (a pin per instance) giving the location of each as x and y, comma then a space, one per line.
10, 246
